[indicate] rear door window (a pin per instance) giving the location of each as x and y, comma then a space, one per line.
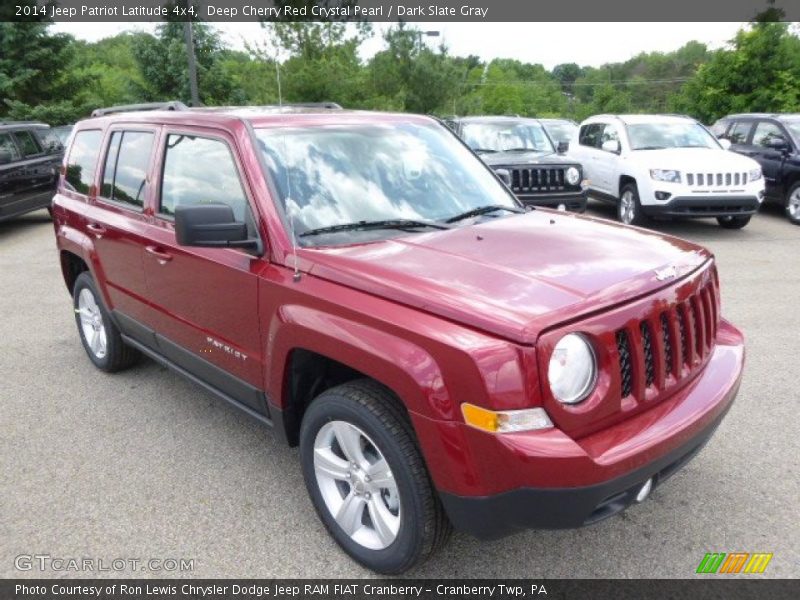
739, 132
125, 170
82, 160
590, 135
28, 144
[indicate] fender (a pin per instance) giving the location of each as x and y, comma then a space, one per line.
78, 243
405, 368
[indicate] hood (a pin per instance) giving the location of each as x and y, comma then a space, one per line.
515, 276
711, 160
503, 159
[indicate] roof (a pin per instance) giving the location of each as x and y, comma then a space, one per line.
492, 119
231, 116
763, 116
633, 119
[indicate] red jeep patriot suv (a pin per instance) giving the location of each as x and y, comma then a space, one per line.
366, 286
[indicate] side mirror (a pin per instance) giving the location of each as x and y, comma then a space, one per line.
5, 157
777, 143
725, 143
562, 147
611, 146
504, 175
211, 225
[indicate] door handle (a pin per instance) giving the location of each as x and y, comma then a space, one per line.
158, 253
97, 230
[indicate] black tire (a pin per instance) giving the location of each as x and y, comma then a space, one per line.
374, 410
117, 355
793, 204
636, 215
733, 222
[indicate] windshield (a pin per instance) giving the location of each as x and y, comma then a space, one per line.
342, 174
793, 125
679, 134
505, 136
561, 131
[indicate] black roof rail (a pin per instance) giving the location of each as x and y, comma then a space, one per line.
328, 105
10, 123
171, 105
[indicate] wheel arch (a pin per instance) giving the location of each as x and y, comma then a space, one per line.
303, 343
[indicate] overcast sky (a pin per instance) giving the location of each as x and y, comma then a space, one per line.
589, 44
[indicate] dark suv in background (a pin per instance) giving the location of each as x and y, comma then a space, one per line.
30, 156
523, 154
773, 140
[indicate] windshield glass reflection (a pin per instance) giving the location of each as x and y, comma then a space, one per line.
334, 175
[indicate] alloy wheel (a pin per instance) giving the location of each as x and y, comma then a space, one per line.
357, 485
92, 326
793, 207
627, 207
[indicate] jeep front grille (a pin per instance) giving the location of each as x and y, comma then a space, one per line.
539, 180
686, 333
716, 181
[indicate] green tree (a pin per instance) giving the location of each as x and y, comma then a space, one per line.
408, 75
31, 85
759, 72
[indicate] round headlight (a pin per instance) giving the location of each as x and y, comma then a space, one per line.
572, 371
573, 176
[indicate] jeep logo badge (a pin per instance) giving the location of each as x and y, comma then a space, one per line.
669, 272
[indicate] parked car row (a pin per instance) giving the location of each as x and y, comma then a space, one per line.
364, 285
648, 166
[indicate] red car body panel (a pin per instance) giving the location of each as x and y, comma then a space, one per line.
470, 314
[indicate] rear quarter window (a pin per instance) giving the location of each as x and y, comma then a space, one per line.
8, 149
82, 160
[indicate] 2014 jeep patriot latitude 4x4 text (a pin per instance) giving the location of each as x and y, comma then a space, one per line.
364, 284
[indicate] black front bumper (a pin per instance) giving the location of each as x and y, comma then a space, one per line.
704, 206
572, 201
492, 517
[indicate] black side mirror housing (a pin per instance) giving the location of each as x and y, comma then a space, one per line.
5, 157
562, 147
504, 175
778, 144
211, 225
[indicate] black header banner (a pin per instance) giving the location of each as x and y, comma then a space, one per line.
701, 588
396, 10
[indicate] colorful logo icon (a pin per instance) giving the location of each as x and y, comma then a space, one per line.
735, 562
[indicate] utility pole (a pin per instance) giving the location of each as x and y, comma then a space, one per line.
187, 29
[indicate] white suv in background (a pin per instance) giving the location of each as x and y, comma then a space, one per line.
666, 166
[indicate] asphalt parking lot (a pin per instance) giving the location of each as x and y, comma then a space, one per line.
143, 464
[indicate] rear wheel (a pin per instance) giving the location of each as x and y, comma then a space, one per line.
733, 222
367, 479
629, 209
793, 204
100, 337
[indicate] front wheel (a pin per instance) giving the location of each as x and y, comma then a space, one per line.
629, 210
793, 204
733, 222
367, 479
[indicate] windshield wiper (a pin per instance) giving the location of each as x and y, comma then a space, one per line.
369, 225
482, 210
523, 150
483, 150
651, 148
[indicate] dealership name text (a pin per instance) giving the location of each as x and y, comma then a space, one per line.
254, 590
